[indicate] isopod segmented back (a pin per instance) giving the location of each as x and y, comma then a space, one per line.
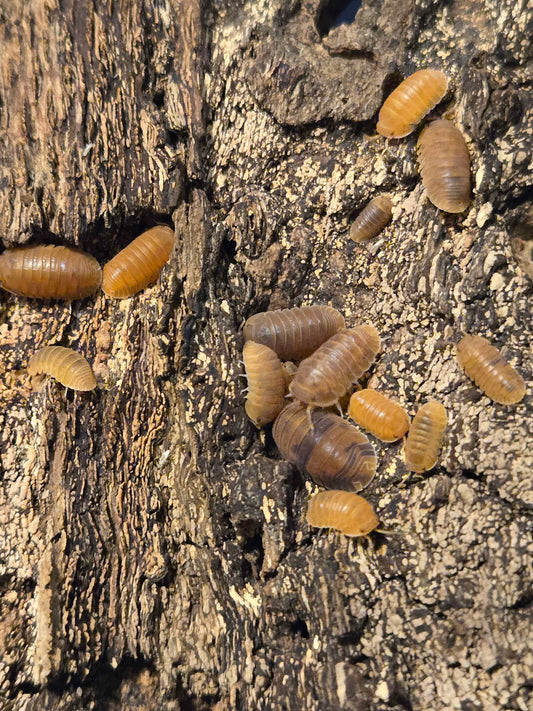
384, 418
372, 219
67, 366
344, 511
266, 383
425, 437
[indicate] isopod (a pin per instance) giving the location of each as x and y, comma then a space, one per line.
266, 383
403, 110
138, 264
326, 375
372, 219
425, 437
445, 166
384, 418
49, 272
289, 371
489, 370
294, 333
67, 366
330, 450
345, 511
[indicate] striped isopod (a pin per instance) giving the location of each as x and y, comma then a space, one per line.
138, 265
489, 370
49, 272
384, 418
445, 166
410, 102
330, 450
345, 511
425, 437
65, 365
294, 333
266, 383
327, 374
372, 219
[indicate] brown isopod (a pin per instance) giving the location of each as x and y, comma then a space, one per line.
294, 333
372, 219
384, 418
67, 366
344, 511
138, 265
289, 371
330, 450
403, 110
425, 437
327, 374
49, 272
266, 383
445, 166
489, 370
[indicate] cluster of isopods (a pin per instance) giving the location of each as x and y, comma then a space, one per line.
64, 273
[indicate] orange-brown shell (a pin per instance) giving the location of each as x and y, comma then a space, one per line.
345, 511
425, 437
384, 418
372, 219
294, 333
266, 383
403, 110
327, 374
67, 366
331, 451
49, 272
489, 370
138, 264
445, 166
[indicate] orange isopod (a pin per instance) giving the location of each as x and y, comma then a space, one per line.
384, 418
345, 511
266, 383
445, 166
67, 366
49, 272
372, 219
488, 369
330, 450
403, 110
294, 333
327, 374
138, 265
425, 437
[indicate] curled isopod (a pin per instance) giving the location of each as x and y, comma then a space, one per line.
403, 110
445, 166
138, 265
293, 333
327, 374
345, 511
384, 418
67, 366
372, 219
331, 451
489, 370
425, 437
266, 383
49, 272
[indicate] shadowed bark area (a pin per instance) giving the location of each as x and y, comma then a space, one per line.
153, 546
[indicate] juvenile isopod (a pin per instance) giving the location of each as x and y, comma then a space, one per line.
266, 383
49, 272
372, 219
489, 370
384, 418
65, 365
331, 451
293, 333
138, 264
425, 437
345, 511
326, 375
403, 110
445, 166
